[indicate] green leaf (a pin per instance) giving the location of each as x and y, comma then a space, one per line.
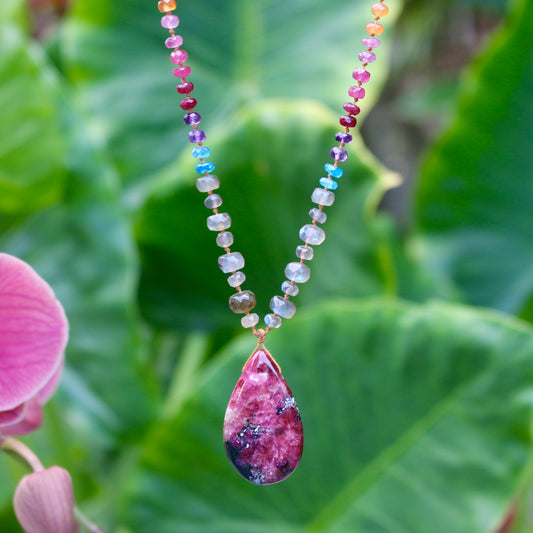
474, 200
417, 419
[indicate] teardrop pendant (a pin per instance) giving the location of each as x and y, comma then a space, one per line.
263, 433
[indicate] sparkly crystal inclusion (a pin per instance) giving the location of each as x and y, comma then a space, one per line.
263, 433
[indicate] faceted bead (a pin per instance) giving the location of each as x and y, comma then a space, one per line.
305, 252
334, 171
170, 21
347, 121
237, 279
205, 167
318, 215
322, 197
272, 321
361, 74
356, 92
290, 288
281, 307
344, 137
224, 239
185, 88
230, 262
192, 118
297, 272
188, 103
207, 183
201, 152
197, 136
178, 56
374, 28
213, 201
182, 72
339, 154
312, 234
380, 10
328, 183
242, 302
366, 56
351, 108
166, 5
371, 42
219, 222
174, 41
249, 321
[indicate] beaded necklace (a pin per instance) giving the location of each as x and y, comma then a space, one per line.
263, 433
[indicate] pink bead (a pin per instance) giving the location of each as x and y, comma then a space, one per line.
178, 56
360, 74
182, 72
170, 21
174, 41
356, 92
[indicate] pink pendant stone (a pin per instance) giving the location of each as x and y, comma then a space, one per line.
263, 432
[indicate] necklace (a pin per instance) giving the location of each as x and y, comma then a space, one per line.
263, 433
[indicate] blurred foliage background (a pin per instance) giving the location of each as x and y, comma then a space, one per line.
411, 353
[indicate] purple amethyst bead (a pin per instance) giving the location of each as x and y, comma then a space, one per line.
174, 41
361, 74
371, 42
192, 118
339, 154
170, 21
344, 137
367, 57
197, 136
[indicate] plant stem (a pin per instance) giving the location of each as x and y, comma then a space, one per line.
21, 451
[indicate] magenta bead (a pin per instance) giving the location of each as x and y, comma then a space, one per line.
360, 74
371, 42
356, 92
351, 108
174, 41
170, 21
182, 72
178, 56
367, 57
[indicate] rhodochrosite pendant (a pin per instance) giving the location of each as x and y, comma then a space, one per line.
263, 432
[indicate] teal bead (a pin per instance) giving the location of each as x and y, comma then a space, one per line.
328, 183
205, 167
333, 171
201, 152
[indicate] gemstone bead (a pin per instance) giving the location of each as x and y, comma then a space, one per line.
356, 92
219, 222
318, 215
290, 288
366, 56
192, 118
182, 72
339, 154
374, 28
312, 234
351, 108
170, 21
208, 183
334, 171
242, 302
322, 197
178, 56
230, 262
213, 201
225, 239
361, 74
188, 103
272, 321
328, 183
205, 167
348, 121
174, 41
185, 88
305, 252
343, 137
197, 136
297, 272
249, 321
380, 10
201, 152
371, 42
283, 308
236, 279
166, 5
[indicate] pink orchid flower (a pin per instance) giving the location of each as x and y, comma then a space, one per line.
33, 336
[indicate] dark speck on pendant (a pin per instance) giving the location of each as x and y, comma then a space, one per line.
263, 432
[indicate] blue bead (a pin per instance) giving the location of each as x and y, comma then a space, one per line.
328, 183
201, 152
205, 167
334, 171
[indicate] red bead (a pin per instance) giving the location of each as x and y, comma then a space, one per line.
185, 88
188, 103
348, 121
351, 108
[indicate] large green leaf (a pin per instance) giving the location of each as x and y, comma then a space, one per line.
417, 419
239, 51
474, 200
